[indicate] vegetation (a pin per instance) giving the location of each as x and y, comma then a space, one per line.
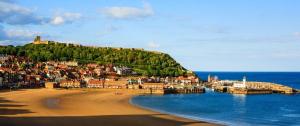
144, 62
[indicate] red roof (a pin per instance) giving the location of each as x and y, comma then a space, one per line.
95, 81
62, 66
93, 65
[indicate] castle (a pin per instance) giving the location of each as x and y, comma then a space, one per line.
38, 40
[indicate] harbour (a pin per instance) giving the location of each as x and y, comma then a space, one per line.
247, 87
234, 109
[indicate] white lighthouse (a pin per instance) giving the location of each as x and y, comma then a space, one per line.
239, 84
244, 81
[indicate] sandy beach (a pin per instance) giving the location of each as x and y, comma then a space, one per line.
88, 107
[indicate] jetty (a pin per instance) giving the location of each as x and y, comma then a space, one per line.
170, 91
184, 90
248, 87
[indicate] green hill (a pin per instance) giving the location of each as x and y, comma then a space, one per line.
144, 62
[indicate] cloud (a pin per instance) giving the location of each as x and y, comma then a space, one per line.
13, 14
64, 18
297, 34
153, 45
17, 36
21, 34
122, 12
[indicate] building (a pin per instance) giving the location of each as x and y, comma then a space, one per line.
123, 70
49, 85
153, 86
212, 78
95, 83
115, 84
69, 63
49, 67
38, 41
69, 84
3, 57
240, 84
92, 65
209, 78
133, 86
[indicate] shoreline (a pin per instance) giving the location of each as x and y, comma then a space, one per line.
82, 107
216, 122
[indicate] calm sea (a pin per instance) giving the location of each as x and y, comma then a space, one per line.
274, 109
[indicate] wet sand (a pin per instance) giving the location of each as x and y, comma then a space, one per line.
81, 107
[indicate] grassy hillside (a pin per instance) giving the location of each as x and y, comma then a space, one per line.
144, 62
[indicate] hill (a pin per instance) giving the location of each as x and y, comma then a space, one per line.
147, 63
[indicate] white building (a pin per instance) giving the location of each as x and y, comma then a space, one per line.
239, 84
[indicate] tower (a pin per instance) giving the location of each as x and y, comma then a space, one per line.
208, 78
38, 40
244, 80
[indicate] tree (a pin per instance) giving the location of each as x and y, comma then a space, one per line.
147, 63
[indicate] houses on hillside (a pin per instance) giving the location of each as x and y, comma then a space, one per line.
21, 72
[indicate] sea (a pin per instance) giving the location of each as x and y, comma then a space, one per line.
230, 109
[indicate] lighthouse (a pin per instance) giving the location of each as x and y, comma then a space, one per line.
240, 84
244, 81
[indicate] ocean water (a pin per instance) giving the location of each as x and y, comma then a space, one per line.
237, 110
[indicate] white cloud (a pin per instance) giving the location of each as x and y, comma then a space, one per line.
57, 20
153, 45
14, 14
11, 13
119, 12
17, 36
21, 34
64, 18
297, 34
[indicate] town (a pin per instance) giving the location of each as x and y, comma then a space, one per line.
21, 72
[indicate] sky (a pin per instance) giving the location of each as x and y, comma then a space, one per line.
202, 35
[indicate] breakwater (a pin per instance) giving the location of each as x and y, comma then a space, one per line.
170, 90
252, 88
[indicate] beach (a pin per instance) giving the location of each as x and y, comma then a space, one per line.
77, 107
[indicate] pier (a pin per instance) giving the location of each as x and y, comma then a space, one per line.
171, 90
248, 87
184, 90
256, 88
275, 88
250, 91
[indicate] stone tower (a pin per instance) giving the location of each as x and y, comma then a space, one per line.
38, 40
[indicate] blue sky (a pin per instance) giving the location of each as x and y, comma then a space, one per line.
204, 35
